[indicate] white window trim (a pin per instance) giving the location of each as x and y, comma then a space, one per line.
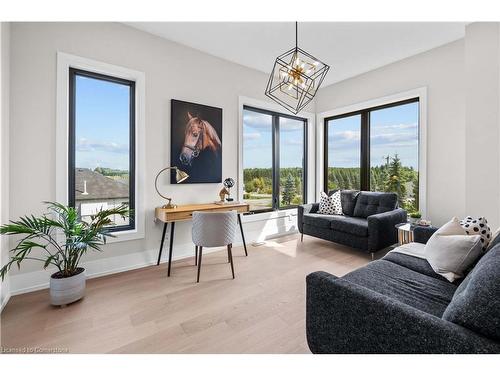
421, 94
64, 62
311, 157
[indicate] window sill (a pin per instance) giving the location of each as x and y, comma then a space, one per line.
262, 216
125, 235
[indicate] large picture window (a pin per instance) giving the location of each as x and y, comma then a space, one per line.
101, 145
274, 160
375, 149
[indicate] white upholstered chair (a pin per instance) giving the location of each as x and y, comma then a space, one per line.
212, 229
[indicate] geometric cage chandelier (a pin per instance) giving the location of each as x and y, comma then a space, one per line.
296, 77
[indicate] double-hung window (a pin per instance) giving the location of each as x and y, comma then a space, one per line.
101, 158
274, 159
375, 149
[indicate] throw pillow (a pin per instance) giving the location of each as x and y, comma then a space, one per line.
477, 226
495, 239
475, 304
330, 205
451, 251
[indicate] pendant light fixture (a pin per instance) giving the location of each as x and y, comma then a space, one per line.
295, 78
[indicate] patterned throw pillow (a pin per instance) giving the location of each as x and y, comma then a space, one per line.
477, 226
330, 205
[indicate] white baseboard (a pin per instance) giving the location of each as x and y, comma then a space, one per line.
37, 280
4, 292
4, 301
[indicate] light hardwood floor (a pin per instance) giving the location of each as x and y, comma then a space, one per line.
143, 311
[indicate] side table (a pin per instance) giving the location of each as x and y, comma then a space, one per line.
405, 233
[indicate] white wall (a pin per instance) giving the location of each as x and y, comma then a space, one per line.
4, 151
482, 120
172, 71
441, 71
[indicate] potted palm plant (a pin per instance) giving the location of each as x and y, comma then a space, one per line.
62, 239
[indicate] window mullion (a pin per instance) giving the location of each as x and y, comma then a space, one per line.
276, 162
365, 151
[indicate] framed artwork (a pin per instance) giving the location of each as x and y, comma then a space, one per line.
196, 142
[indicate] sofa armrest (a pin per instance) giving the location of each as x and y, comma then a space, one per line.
343, 317
422, 234
382, 228
305, 209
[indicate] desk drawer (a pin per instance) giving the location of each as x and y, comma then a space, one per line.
176, 216
171, 215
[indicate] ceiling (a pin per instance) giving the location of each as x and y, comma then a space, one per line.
350, 48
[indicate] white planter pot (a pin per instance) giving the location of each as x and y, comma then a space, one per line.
413, 220
68, 289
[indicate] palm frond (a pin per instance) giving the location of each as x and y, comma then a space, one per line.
79, 236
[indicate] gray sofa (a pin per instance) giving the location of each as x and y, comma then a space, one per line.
400, 305
368, 222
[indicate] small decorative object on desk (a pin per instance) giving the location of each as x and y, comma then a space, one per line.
224, 193
228, 184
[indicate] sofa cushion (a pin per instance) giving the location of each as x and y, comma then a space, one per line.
371, 203
319, 220
476, 303
495, 240
419, 265
348, 199
351, 225
450, 251
422, 292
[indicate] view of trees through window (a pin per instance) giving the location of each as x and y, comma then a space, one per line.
391, 152
272, 182
101, 175
344, 153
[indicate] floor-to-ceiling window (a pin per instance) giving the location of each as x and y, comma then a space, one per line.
101, 145
344, 152
375, 149
274, 166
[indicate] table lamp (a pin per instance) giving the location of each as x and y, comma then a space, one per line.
179, 177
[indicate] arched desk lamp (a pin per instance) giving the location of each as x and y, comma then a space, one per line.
179, 177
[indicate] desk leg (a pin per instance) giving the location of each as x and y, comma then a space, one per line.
242, 234
161, 245
172, 226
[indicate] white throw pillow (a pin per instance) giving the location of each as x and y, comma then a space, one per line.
450, 251
330, 205
477, 226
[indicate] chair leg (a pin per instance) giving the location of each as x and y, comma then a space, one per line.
195, 255
230, 255
373, 256
302, 237
199, 263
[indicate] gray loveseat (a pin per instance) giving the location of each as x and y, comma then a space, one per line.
368, 222
400, 305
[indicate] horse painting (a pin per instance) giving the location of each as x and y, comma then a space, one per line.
196, 141
199, 136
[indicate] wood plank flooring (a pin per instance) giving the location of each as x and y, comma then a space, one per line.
143, 311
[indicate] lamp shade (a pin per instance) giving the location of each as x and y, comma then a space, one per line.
180, 175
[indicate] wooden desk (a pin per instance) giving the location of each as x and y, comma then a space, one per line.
185, 212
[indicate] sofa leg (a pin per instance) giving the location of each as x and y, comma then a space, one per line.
302, 237
373, 256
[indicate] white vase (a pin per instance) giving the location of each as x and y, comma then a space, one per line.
67, 289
